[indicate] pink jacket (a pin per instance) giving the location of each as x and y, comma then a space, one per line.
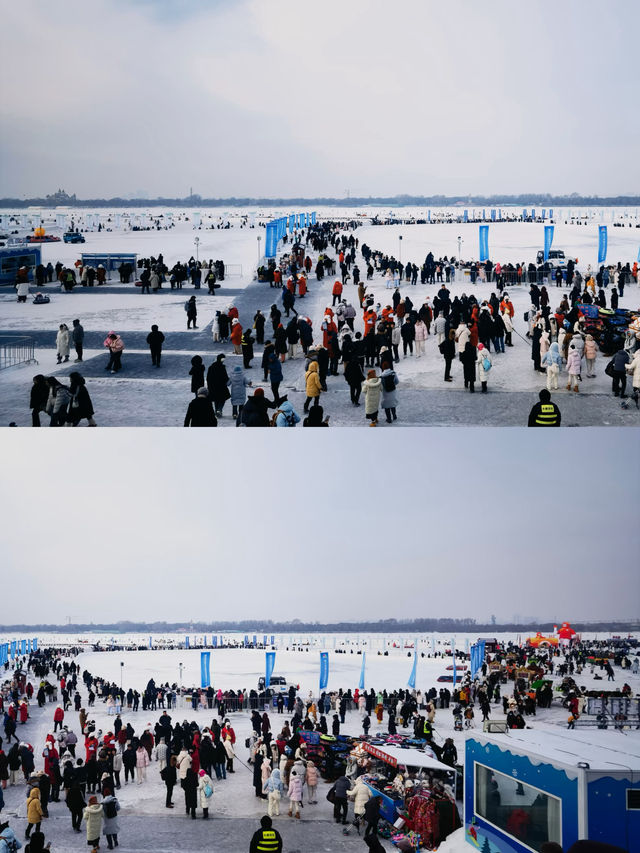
573, 362
295, 788
114, 346
142, 757
420, 331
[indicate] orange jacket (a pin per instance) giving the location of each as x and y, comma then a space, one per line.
236, 334
302, 285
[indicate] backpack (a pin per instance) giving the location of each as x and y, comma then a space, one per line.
186, 305
288, 416
110, 809
389, 382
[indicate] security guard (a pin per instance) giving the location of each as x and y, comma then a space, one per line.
545, 413
267, 839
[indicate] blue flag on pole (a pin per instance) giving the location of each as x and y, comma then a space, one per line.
453, 655
246, 639
533, 213
150, 643
255, 639
544, 213
273, 639
550, 213
23, 646
214, 642
548, 240
414, 671
13, 648
362, 668
270, 662
493, 214
602, 243
465, 216
205, 675
313, 217
186, 642
484, 242
34, 645
324, 670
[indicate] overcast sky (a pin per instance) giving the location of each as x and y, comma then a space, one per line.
346, 525
282, 98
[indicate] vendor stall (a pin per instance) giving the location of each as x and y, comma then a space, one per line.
418, 797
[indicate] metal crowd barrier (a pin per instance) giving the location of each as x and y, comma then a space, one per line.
16, 350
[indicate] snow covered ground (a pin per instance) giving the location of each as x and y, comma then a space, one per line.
236, 811
144, 396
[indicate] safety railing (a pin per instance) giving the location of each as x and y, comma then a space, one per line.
16, 350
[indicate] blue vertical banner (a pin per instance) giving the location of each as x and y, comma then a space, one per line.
493, 214
29, 646
548, 240
544, 214
524, 214
414, 672
362, 670
484, 242
428, 216
313, 217
271, 240
186, 642
475, 661
550, 213
533, 213
273, 639
214, 642
602, 243
13, 648
34, 644
465, 216
453, 655
204, 641
264, 640
269, 664
23, 647
433, 645
292, 221
324, 670
255, 639
483, 214
246, 639
205, 675
638, 258
150, 643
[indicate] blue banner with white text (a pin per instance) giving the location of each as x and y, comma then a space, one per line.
205, 675
602, 243
324, 670
186, 642
414, 672
270, 662
548, 240
362, 669
484, 242
465, 216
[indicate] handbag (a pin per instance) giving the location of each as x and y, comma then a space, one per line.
486, 364
208, 791
331, 794
609, 369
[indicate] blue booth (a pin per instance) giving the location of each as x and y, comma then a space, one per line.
110, 261
549, 784
14, 257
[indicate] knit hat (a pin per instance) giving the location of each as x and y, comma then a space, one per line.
201, 773
202, 392
258, 392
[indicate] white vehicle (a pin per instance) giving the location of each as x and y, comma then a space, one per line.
277, 684
556, 258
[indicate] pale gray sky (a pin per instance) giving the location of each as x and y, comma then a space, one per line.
343, 525
282, 98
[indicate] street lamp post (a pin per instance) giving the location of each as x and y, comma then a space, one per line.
259, 253
400, 248
121, 671
197, 242
459, 249
181, 697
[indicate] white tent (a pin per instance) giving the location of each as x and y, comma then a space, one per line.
398, 757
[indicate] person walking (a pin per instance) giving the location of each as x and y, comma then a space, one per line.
552, 361
76, 804
273, 788
295, 794
200, 411
155, 339
80, 406
342, 787
313, 386
355, 377
389, 381
38, 398
619, 364
573, 368
217, 384
35, 812
238, 384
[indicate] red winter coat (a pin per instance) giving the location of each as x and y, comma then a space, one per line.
58, 715
236, 334
337, 289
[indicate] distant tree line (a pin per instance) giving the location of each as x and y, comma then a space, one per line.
574, 199
382, 626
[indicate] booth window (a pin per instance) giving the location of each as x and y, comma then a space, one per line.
521, 811
633, 798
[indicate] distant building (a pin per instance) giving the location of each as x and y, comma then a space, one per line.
60, 197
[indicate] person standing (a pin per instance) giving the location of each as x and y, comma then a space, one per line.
372, 816
217, 384
62, 343
355, 377
266, 839
274, 366
205, 787
342, 787
238, 383
113, 342
142, 762
573, 368
190, 788
545, 413
34, 812
372, 393
484, 366
619, 364
294, 794
93, 816
111, 827
448, 350
313, 386
468, 358
169, 776
155, 339
192, 312
77, 335
389, 380
273, 789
